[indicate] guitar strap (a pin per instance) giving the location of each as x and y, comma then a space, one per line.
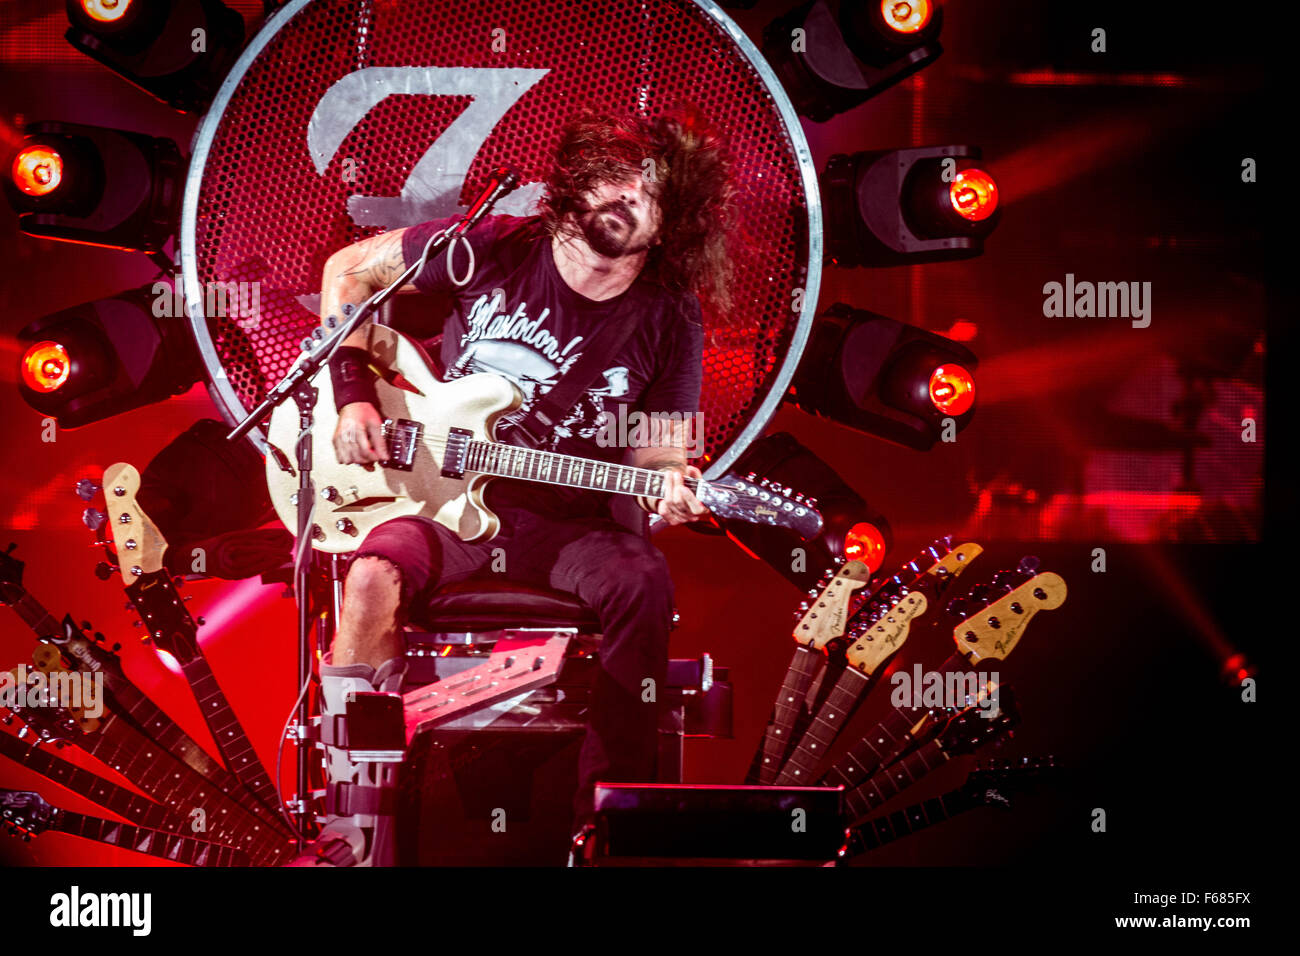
534, 428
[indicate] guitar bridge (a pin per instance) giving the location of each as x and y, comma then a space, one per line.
403, 437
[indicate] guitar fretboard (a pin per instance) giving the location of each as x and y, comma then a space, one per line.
883, 742
159, 843
844, 697
876, 833
511, 461
877, 791
786, 711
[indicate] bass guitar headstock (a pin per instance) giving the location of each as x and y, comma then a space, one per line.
886, 633
996, 615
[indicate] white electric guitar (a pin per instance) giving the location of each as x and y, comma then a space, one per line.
442, 455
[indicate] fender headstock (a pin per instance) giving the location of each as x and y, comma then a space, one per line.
825, 616
886, 634
996, 618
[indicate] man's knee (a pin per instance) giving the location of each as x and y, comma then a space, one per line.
635, 575
374, 582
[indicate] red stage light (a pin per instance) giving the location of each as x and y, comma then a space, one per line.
105, 11
952, 389
906, 16
974, 194
46, 366
38, 170
865, 543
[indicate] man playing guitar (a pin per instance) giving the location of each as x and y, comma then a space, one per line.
635, 217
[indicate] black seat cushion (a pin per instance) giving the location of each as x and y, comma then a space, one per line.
486, 603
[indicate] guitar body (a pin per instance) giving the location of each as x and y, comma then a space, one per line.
353, 499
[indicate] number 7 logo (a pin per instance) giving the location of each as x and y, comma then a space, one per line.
432, 190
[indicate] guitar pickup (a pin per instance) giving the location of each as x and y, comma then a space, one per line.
403, 437
455, 455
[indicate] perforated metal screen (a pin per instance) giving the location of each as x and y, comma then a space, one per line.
346, 118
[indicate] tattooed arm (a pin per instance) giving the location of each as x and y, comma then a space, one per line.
351, 276
356, 272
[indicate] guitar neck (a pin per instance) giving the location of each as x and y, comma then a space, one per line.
884, 742
35, 615
875, 792
844, 698
876, 833
159, 843
137, 809
162, 612
176, 785
553, 468
785, 712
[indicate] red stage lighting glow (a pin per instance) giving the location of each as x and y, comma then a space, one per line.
974, 194
38, 170
46, 366
105, 11
906, 16
865, 543
952, 389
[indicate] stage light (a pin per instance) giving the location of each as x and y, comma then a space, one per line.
105, 11
106, 187
38, 170
905, 17
952, 390
45, 366
974, 195
851, 528
864, 542
176, 50
885, 378
101, 358
833, 56
907, 205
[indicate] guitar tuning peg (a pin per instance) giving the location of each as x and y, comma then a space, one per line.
85, 625
1028, 565
99, 637
104, 571
200, 621
116, 647
93, 519
135, 623
811, 502
332, 321
87, 489
750, 476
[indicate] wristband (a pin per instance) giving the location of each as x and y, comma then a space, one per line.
351, 376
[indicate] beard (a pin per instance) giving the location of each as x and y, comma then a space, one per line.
608, 233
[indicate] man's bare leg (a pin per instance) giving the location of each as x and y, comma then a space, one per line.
368, 655
369, 632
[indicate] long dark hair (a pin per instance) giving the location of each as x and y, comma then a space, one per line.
692, 168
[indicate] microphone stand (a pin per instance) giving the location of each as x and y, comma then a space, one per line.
297, 384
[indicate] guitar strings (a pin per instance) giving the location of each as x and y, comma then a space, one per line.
692, 483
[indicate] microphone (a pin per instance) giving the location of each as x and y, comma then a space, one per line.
503, 181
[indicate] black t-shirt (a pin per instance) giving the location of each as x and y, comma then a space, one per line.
518, 318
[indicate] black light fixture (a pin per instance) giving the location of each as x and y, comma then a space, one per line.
851, 528
102, 358
832, 55
176, 50
906, 206
106, 187
885, 378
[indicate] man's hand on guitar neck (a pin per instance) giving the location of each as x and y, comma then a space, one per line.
359, 435
679, 504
